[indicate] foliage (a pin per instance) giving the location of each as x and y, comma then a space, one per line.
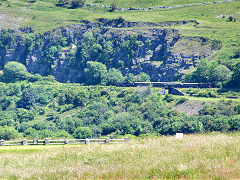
7, 133
83, 133
95, 73
76, 3
217, 74
69, 110
142, 77
236, 74
114, 77
14, 71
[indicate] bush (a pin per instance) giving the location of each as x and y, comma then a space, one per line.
8, 133
220, 124
35, 77
113, 7
181, 101
76, 3
14, 71
114, 77
24, 115
95, 73
169, 98
234, 123
83, 133
30, 132
192, 126
143, 77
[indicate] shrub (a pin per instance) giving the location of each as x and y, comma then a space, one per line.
220, 124
7, 133
114, 77
32, 97
95, 73
76, 3
237, 108
35, 77
192, 126
143, 77
234, 123
30, 132
14, 71
83, 133
181, 100
24, 115
113, 7
169, 98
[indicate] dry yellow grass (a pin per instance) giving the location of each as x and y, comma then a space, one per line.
211, 156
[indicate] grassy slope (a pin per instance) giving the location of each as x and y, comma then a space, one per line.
196, 156
44, 15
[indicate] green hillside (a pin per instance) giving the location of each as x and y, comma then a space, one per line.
217, 21
71, 44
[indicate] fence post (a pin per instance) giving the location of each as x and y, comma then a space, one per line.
107, 140
2, 142
66, 141
87, 141
35, 141
24, 142
47, 141
126, 139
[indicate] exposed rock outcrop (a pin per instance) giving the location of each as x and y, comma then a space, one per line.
63, 52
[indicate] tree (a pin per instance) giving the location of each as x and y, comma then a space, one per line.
130, 78
236, 74
95, 51
76, 3
114, 77
143, 77
14, 71
24, 115
31, 97
7, 133
202, 73
95, 73
30, 132
124, 123
83, 133
220, 74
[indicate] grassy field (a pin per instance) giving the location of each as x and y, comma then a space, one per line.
203, 156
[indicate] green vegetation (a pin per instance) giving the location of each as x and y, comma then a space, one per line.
14, 71
56, 110
40, 107
217, 22
203, 156
218, 75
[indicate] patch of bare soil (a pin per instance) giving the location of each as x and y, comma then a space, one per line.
190, 108
11, 22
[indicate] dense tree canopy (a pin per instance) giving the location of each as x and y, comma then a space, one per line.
14, 71
95, 73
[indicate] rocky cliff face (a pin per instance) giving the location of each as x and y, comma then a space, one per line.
63, 52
